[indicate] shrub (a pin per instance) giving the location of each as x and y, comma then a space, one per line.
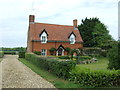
1, 54
52, 51
87, 77
59, 68
10, 52
114, 57
21, 54
63, 57
37, 52
67, 49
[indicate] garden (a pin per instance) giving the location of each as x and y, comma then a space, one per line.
71, 72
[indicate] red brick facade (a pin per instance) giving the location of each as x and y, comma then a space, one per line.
57, 35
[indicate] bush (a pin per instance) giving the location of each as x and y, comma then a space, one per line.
63, 57
21, 54
114, 57
59, 68
87, 77
1, 54
37, 53
10, 52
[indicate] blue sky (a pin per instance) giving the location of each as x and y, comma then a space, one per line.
14, 16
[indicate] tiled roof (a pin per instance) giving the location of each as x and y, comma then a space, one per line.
55, 32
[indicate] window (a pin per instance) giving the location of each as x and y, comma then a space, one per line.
44, 39
43, 52
72, 41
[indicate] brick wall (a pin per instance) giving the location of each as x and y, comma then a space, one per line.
38, 46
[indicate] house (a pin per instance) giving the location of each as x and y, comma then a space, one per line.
42, 37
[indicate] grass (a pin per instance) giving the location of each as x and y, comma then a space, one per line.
101, 64
57, 82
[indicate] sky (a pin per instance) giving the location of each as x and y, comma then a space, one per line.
14, 16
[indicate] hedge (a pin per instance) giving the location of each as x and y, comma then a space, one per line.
1, 54
21, 54
37, 52
87, 77
59, 68
63, 57
10, 52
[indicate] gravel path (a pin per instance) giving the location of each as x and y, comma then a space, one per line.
17, 75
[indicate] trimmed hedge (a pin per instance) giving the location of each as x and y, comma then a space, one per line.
37, 52
63, 57
87, 77
10, 52
21, 54
59, 68
1, 54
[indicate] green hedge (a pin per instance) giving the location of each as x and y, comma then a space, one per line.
1, 54
10, 52
21, 54
63, 57
37, 52
98, 78
59, 68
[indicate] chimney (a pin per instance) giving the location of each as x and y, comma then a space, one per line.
75, 23
31, 18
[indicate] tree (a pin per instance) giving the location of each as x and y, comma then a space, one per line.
94, 33
114, 56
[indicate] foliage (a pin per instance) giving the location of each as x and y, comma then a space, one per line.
59, 68
63, 57
67, 49
14, 49
52, 51
21, 54
37, 52
74, 51
96, 78
10, 52
114, 57
97, 34
1, 54
57, 82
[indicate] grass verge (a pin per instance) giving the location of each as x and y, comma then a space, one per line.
57, 82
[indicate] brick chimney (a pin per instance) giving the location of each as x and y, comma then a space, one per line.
75, 23
31, 18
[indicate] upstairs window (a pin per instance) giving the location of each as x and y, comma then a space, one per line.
43, 52
72, 40
44, 39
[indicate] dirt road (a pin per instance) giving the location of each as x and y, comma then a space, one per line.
17, 75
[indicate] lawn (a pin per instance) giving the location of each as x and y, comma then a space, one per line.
101, 64
57, 82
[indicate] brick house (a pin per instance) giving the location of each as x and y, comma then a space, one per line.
42, 37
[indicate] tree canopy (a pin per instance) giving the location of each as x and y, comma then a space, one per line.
94, 33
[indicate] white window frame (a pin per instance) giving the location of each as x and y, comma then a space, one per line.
44, 37
43, 52
72, 39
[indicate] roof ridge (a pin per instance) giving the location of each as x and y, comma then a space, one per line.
54, 24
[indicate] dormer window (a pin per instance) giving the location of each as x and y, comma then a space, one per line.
44, 39
72, 38
43, 36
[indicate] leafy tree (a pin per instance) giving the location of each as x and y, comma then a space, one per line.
114, 56
94, 33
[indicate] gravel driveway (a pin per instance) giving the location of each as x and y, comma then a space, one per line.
17, 75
